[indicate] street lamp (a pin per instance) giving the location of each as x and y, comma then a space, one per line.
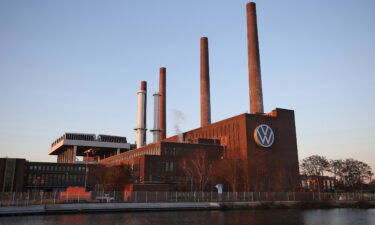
86, 169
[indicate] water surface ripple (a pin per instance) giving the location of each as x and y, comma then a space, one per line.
238, 217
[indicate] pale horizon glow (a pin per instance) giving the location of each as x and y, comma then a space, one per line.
76, 66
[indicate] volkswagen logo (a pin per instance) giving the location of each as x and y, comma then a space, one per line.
263, 135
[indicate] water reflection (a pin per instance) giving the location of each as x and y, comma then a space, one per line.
238, 217
339, 216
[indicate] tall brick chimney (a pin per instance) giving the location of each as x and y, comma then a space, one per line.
255, 80
205, 84
163, 103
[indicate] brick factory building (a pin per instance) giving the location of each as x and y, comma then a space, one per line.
273, 168
266, 142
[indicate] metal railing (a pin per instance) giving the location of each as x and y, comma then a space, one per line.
40, 198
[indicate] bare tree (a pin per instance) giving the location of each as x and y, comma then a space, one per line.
354, 173
234, 172
199, 169
118, 176
336, 167
110, 177
315, 166
245, 176
348, 173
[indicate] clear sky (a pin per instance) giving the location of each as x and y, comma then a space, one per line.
75, 66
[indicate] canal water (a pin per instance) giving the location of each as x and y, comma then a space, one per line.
238, 217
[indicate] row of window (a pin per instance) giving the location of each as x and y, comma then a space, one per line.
63, 168
90, 137
173, 151
327, 184
168, 178
166, 166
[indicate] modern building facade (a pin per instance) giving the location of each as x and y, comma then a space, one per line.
19, 175
311, 183
44, 176
89, 146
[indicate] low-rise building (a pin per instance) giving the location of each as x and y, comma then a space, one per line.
311, 183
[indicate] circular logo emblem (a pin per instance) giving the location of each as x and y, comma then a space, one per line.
263, 135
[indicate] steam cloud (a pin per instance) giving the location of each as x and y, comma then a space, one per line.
178, 118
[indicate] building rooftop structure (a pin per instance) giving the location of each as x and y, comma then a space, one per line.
93, 147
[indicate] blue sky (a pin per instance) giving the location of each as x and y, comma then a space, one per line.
75, 66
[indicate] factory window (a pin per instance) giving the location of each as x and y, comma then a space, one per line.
29, 179
166, 167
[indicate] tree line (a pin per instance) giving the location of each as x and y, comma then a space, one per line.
201, 173
349, 174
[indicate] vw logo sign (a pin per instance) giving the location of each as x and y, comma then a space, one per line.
263, 135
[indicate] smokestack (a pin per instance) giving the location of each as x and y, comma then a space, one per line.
205, 84
163, 103
141, 123
156, 131
255, 80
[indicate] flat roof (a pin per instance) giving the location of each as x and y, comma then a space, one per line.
87, 141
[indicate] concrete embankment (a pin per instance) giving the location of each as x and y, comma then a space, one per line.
169, 206
298, 204
103, 207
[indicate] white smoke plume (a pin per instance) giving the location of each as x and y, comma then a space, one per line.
178, 118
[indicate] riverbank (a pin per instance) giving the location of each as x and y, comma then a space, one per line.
173, 206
